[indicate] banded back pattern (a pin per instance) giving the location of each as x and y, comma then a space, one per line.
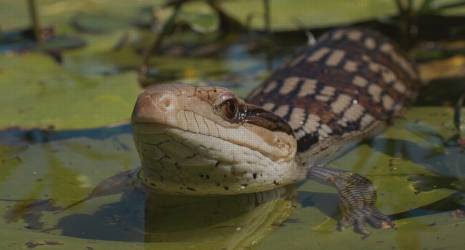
350, 79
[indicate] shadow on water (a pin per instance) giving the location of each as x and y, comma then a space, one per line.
327, 203
38, 135
122, 220
140, 216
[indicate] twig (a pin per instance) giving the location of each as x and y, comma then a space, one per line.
458, 114
158, 41
406, 16
167, 27
34, 20
400, 8
267, 16
227, 23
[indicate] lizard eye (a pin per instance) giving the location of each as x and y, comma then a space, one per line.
229, 108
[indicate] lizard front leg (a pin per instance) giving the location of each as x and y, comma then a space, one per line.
357, 198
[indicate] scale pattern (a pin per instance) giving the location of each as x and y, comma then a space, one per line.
346, 82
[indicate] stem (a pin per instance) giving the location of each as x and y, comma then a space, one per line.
458, 114
167, 26
227, 23
406, 16
267, 15
158, 41
400, 8
34, 20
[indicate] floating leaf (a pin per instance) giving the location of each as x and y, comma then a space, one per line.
98, 23
202, 22
293, 14
39, 93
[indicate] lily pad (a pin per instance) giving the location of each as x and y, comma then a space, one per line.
202, 22
98, 23
39, 93
293, 14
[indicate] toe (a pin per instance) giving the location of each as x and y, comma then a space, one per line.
360, 226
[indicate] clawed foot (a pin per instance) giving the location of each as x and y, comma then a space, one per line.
361, 217
358, 199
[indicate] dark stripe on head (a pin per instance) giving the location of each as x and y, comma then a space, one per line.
265, 119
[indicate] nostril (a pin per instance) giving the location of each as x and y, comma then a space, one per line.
145, 100
165, 102
143, 103
143, 108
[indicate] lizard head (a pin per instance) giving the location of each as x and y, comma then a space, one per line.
206, 140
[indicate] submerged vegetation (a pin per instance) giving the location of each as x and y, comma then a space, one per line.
68, 84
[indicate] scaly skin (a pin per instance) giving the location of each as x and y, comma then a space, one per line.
206, 141
341, 89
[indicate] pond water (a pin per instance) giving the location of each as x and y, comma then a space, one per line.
64, 129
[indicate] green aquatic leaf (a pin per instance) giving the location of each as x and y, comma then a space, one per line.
294, 14
98, 23
40, 93
14, 14
9, 160
203, 21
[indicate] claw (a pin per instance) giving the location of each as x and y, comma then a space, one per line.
359, 227
387, 224
359, 218
344, 223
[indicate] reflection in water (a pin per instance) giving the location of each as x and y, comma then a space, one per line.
30, 211
226, 222
325, 202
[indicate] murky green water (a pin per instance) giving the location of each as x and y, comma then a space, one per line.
64, 128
